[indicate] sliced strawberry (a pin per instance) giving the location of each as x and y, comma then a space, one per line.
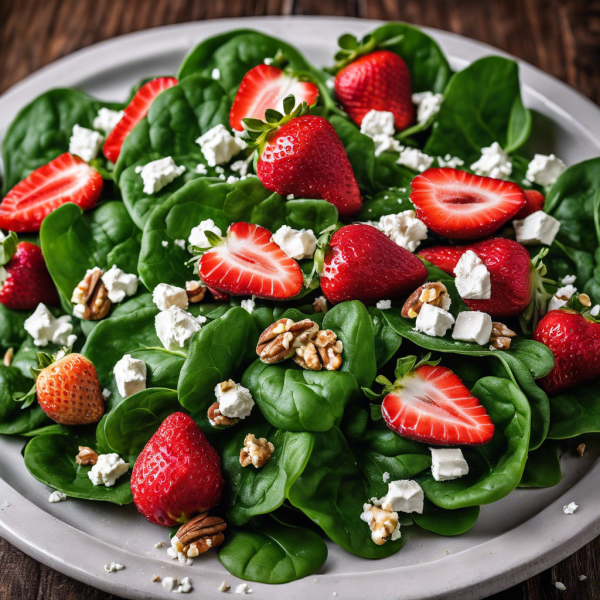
136, 110
264, 87
432, 405
534, 202
65, 179
248, 262
462, 206
443, 257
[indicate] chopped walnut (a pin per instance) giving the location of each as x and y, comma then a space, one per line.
279, 341
501, 334
581, 450
320, 305
255, 451
324, 351
91, 296
8, 357
383, 523
86, 457
155, 578
195, 291
432, 292
217, 419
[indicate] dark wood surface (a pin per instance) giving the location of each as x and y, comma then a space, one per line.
560, 37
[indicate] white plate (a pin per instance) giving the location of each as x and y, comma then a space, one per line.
513, 539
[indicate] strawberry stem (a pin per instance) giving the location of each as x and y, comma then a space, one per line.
539, 294
351, 49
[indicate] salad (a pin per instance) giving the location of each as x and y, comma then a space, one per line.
272, 304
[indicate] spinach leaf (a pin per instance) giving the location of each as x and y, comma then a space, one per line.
542, 468
317, 215
50, 458
387, 341
250, 491
575, 412
389, 201
12, 330
446, 522
272, 553
482, 105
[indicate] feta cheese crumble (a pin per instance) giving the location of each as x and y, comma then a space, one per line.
428, 105
169, 583
165, 296
224, 587
174, 327
243, 589
108, 468
414, 159
185, 587
386, 477
404, 495
107, 119
57, 496
45, 328
130, 375
594, 311
235, 402
219, 146
569, 279
570, 508
198, 234
119, 284
216, 74
545, 170
448, 463
453, 162
249, 305
494, 162
106, 393
473, 326
473, 280
538, 228
433, 321
296, 244
113, 567
379, 126
404, 228
561, 297
384, 304
159, 173
201, 169
560, 586
85, 143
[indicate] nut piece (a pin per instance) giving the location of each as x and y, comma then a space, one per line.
195, 291
383, 523
432, 292
255, 451
501, 335
86, 457
278, 341
320, 305
324, 351
199, 535
217, 419
581, 450
8, 357
91, 294
155, 578
585, 300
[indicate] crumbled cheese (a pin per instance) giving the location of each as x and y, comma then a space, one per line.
473, 326
159, 544
159, 173
220, 170
494, 162
433, 321
224, 587
403, 495
243, 589
377, 122
165, 296
107, 119
297, 244
216, 74
169, 583
428, 105
164, 243
175, 327
385, 143
560, 586
538, 228
232, 179
404, 228
386, 477
106, 394
595, 310
561, 297
85, 143
473, 280
219, 146
569, 279
57, 496
119, 284
249, 305
235, 402
545, 170
384, 304
108, 468
113, 567
130, 375
582, 577
570, 508
241, 166
185, 587
180, 243
45, 328
201, 169
79, 311
198, 236
414, 159
453, 162
448, 463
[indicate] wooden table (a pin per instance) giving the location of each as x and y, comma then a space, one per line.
560, 37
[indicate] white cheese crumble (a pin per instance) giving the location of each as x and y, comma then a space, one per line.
595, 310
108, 468
433, 321
235, 402
180, 243
384, 304
428, 105
569, 279
561, 297
545, 170
45, 328
452, 162
219, 146
494, 162
570, 508
224, 587
473, 280
448, 463
243, 589
242, 166
159, 173
164, 243
403, 495
57, 496
106, 393
559, 585
185, 587
216, 74
414, 159
249, 305
379, 126
85, 143
473, 326
198, 234
159, 544
404, 228
174, 327
386, 477
119, 284
107, 119
113, 567
169, 583
538, 228
296, 244
582, 577
130, 375
165, 296
201, 169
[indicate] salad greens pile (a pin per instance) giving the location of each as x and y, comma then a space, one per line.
332, 446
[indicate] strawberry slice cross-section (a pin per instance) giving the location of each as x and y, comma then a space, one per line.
247, 262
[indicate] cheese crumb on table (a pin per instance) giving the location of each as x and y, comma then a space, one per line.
57, 496
570, 508
113, 567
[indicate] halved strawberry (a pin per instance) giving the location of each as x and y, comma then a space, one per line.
462, 206
136, 110
264, 87
534, 202
430, 404
65, 179
247, 262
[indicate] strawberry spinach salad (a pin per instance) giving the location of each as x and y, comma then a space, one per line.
272, 304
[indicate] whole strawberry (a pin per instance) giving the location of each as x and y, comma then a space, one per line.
574, 339
362, 263
27, 281
177, 474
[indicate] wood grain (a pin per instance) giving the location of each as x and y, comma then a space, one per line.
561, 37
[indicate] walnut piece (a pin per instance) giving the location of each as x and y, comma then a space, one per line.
279, 341
199, 535
217, 419
581, 450
195, 291
432, 292
383, 523
320, 305
91, 294
255, 451
324, 351
86, 457
8, 357
501, 335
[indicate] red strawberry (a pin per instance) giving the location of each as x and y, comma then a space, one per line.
177, 474
65, 179
28, 282
462, 206
431, 404
248, 262
575, 343
264, 87
511, 273
136, 110
378, 81
534, 202
217, 295
362, 263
